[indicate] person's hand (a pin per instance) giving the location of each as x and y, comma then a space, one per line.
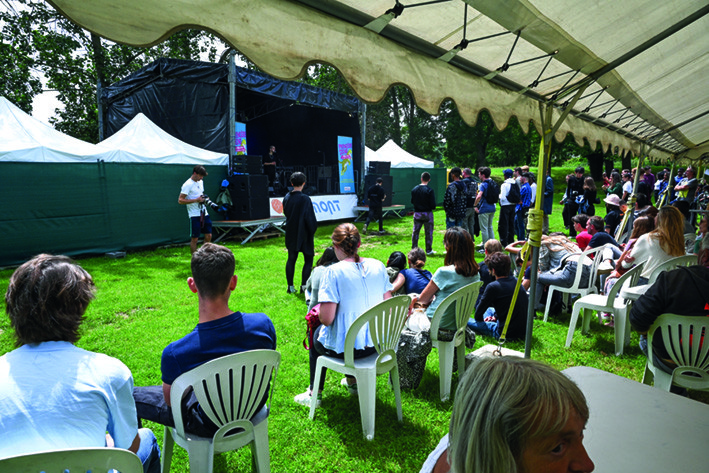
477, 210
628, 259
490, 318
614, 274
200, 199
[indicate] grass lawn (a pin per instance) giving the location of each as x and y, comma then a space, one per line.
143, 303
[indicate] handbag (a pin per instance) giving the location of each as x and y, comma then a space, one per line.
312, 321
418, 322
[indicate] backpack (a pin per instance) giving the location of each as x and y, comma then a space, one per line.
471, 191
514, 196
460, 200
492, 193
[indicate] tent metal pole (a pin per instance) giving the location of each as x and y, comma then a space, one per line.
232, 107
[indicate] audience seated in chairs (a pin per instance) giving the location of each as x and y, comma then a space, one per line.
558, 260
53, 394
219, 332
348, 288
514, 415
414, 279
313, 285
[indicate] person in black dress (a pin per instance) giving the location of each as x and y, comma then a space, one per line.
301, 225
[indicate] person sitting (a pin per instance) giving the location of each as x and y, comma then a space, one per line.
580, 223
414, 279
596, 228
219, 332
612, 218
348, 288
395, 264
514, 415
658, 246
460, 270
563, 276
683, 291
553, 249
498, 295
312, 287
53, 394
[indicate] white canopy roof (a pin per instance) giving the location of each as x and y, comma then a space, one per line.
644, 62
399, 158
26, 139
142, 141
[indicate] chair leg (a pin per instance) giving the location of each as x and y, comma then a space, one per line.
586, 322
648, 377
314, 392
619, 323
367, 387
548, 304
167, 446
460, 351
572, 324
201, 455
396, 386
445, 365
261, 456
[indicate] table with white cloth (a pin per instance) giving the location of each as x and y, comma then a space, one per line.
635, 427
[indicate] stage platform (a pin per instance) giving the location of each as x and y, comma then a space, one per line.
224, 227
363, 210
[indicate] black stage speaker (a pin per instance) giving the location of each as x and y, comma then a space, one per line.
245, 164
249, 194
379, 167
387, 185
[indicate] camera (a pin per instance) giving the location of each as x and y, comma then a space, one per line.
208, 201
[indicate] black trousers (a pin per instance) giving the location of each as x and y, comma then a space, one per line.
376, 213
571, 208
506, 225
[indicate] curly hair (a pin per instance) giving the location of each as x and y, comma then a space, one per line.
460, 251
501, 404
670, 231
346, 237
47, 299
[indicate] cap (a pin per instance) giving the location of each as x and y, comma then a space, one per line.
612, 199
507, 172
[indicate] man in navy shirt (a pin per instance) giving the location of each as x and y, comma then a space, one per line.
424, 200
220, 332
596, 228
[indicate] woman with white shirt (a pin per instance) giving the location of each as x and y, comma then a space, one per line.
660, 245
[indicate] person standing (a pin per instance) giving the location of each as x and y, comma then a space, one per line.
687, 187
454, 201
424, 201
505, 226
53, 394
269, 165
488, 195
521, 210
375, 198
192, 195
219, 332
574, 188
548, 201
301, 225
470, 194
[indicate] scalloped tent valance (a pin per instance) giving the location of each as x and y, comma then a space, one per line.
643, 63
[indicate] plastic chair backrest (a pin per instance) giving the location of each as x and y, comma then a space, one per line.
386, 322
686, 339
464, 299
630, 277
684, 260
229, 389
580, 258
97, 459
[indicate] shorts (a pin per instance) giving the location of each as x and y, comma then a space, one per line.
203, 227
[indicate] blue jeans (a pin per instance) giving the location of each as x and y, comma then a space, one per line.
521, 223
489, 329
148, 451
453, 222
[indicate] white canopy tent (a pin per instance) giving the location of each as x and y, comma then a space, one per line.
142, 141
639, 66
26, 139
398, 158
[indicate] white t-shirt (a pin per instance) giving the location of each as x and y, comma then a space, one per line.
55, 395
628, 187
193, 190
534, 193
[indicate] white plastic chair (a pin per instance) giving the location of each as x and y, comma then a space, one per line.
464, 299
670, 264
575, 289
96, 460
229, 390
686, 339
607, 303
386, 321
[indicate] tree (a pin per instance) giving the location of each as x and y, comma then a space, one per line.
41, 41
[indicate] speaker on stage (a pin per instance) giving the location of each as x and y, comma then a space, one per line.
387, 185
379, 167
245, 164
250, 209
249, 194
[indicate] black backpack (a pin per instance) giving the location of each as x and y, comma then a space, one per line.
514, 196
492, 194
471, 192
460, 200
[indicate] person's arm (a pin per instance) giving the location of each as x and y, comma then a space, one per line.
328, 311
485, 301
515, 247
479, 196
387, 295
135, 445
183, 200
398, 282
432, 200
428, 293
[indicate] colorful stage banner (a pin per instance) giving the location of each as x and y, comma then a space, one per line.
241, 138
345, 164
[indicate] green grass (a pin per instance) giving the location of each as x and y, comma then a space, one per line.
143, 303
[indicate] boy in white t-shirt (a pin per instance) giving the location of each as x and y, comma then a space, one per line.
192, 195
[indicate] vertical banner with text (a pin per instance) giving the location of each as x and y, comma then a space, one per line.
240, 138
345, 164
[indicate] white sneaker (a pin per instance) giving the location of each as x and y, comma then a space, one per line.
430, 253
351, 388
304, 399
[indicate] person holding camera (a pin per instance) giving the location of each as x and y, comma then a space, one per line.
574, 188
192, 195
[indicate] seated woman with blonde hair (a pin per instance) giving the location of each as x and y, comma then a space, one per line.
514, 415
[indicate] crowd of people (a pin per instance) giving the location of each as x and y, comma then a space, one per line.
48, 295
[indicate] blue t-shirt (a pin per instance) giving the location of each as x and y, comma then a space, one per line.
485, 206
416, 280
234, 333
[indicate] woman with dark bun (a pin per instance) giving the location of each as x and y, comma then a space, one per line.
348, 288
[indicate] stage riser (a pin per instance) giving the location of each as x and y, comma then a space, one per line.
250, 209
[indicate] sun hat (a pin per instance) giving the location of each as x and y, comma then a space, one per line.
612, 199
